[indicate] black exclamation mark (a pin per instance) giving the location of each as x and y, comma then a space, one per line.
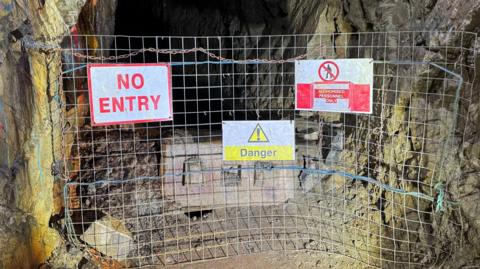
258, 134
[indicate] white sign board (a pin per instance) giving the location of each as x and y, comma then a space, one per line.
258, 140
129, 93
340, 85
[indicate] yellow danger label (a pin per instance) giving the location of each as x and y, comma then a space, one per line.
258, 135
259, 153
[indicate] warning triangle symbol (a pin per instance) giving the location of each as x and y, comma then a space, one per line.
258, 135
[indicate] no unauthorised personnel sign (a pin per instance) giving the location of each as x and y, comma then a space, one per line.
337, 85
129, 93
258, 140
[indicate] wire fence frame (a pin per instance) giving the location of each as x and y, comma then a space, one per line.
90, 187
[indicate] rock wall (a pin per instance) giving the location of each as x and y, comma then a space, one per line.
30, 128
455, 230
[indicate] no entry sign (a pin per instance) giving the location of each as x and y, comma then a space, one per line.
129, 93
258, 140
340, 85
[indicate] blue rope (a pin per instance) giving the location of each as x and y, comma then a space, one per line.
373, 181
74, 69
439, 207
439, 201
187, 63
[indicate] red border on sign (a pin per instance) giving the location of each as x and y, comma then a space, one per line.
92, 117
320, 73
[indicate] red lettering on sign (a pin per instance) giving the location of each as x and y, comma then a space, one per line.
357, 95
134, 81
155, 100
142, 102
137, 81
104, 105
331, 94
117, 103
122, 80
130, 101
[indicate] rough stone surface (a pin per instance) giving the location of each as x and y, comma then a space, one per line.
27, 137
107, 232
29, 128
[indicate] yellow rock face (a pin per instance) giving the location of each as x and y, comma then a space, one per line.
39, 195
32, 136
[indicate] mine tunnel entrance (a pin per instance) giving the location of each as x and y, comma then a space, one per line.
161, 193
204, 94
157, 187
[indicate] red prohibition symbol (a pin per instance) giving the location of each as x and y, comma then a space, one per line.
328, 71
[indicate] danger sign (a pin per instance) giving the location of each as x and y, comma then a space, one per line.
129, 93
258, 140
340, 85
258, 135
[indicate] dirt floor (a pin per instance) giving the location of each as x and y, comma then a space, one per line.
270, 260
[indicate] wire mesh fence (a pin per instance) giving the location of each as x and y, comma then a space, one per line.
365, 186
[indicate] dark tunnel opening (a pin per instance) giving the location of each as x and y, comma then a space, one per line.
203, 94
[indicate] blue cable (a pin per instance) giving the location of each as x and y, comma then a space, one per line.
439, 201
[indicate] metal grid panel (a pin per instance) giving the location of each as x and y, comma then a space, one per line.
362, 186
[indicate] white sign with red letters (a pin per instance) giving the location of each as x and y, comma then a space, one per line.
129, 93
339, 85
